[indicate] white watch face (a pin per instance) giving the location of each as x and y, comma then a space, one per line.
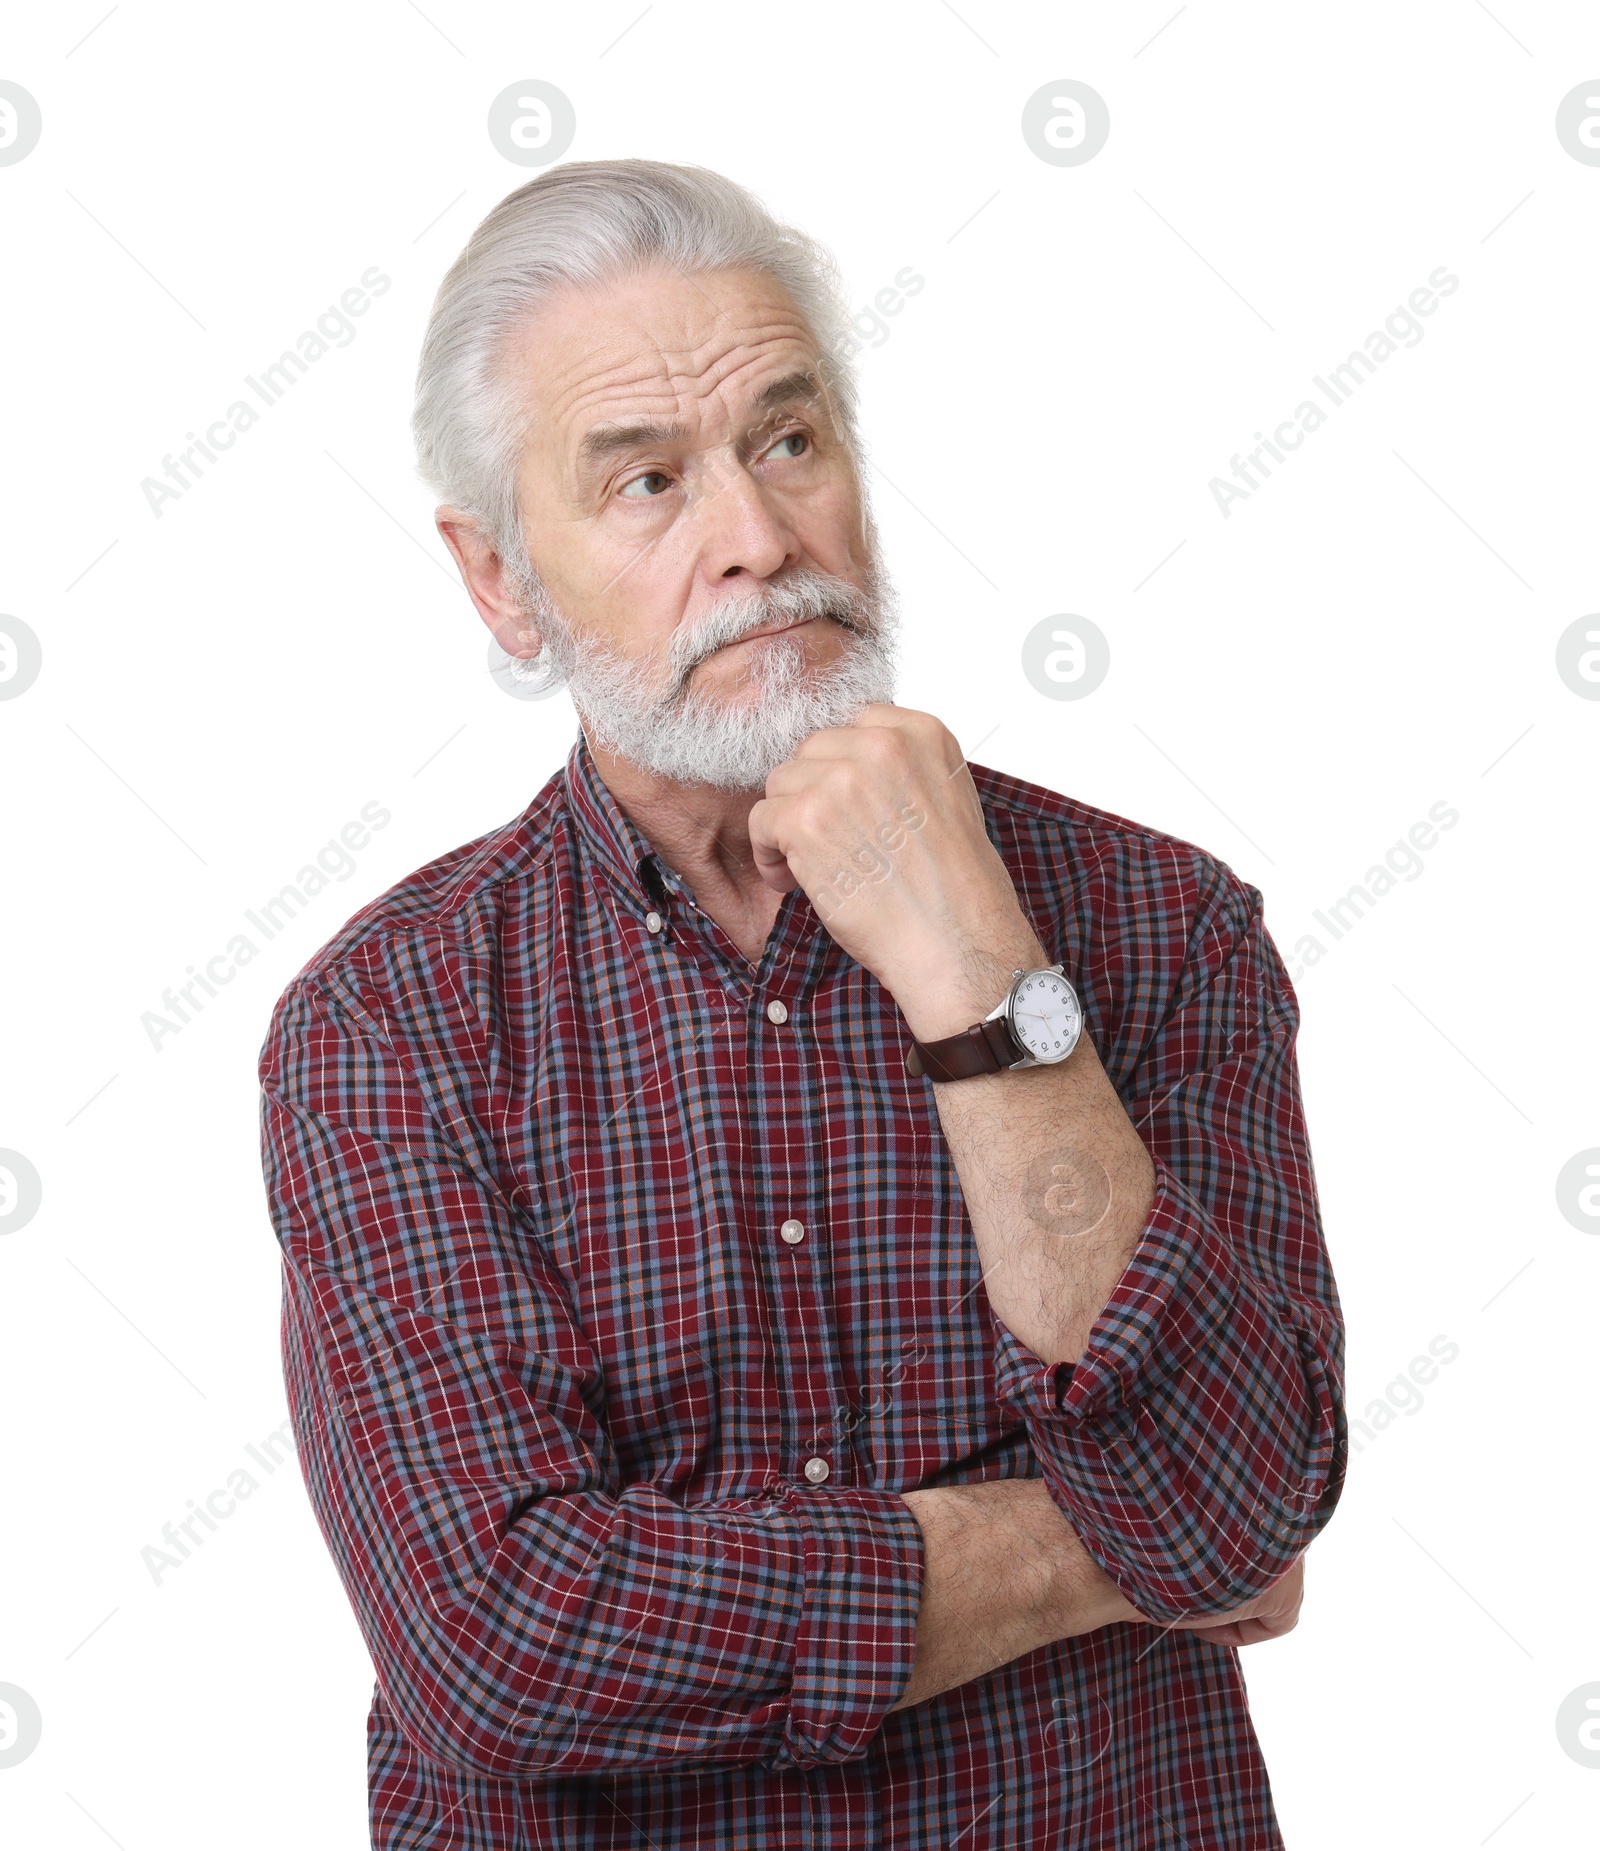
1045, 1015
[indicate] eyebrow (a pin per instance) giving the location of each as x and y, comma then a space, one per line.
605, 440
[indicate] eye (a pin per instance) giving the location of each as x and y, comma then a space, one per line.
650, 475
800, 437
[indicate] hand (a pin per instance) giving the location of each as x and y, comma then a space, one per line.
1269, 1616
881, 824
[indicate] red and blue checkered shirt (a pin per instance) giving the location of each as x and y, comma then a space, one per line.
537, 1140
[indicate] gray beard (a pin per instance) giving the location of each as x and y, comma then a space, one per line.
667, 725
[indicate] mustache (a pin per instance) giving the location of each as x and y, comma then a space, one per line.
803, 595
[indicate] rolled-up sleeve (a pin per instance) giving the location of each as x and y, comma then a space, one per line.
529, 1614
1199, 1443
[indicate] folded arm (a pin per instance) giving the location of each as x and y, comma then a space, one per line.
1005, 1573
1166, 1318
528, 1614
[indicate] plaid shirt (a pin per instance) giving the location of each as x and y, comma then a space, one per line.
626, 1286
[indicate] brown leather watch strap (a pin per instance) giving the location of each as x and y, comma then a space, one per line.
986, 1047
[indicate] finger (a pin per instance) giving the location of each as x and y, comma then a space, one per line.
792, 776
835, 741
1258, 1632
846, 741
1227, 1633
889, 713
771, 863
1237, 1633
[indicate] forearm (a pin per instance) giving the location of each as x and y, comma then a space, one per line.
1056, 1181
1004, 1573
1200, 1445
941, 927
1205, 1365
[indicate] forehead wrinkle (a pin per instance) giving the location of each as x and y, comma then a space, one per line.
589, 379
680, 374
730, 382
581, 375
777, 324
630, 373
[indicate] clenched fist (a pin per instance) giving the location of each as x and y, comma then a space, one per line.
881, 824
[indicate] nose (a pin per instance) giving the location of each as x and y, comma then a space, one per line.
742, 535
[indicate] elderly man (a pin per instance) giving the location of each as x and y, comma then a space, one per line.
805, 1310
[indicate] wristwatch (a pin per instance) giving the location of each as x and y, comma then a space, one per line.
1036, 1023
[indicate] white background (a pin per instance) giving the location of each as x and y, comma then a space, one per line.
1371, 633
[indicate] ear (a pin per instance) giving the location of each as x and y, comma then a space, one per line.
488, 584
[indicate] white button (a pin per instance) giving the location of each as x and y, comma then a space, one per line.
793, 1232
816, 1470
777, 1013
652, 922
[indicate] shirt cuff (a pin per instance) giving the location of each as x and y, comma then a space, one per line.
1172, 1298
863, 1564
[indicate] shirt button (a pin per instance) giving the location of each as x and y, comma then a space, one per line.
793, 1232
652, 922
777, 1013
816, 1470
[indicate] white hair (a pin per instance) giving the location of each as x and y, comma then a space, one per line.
589, 222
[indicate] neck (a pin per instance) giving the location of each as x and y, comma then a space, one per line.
702, 832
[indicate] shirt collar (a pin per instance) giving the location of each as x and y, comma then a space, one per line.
607, 829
